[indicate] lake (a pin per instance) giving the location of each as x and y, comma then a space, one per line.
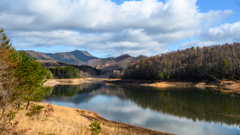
184, 111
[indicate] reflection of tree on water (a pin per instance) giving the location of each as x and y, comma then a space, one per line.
65, 90
194, 104
70, 90
83, 93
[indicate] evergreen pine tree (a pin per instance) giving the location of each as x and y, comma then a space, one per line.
30, 76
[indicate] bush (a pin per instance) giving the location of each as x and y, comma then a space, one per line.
168, 76
95, 128
160, 75
49, 75
35, 110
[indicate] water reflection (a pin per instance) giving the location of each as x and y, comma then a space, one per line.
173, 110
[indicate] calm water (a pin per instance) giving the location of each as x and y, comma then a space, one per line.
184, 111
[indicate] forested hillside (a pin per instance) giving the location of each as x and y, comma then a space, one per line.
212, 62
58, 69
65, 72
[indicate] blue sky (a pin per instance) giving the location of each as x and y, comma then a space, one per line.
114, 27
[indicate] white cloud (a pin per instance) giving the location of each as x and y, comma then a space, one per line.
226, 33
134, 27
199, 43
223, 32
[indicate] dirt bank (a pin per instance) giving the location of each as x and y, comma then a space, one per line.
72, 121
225, 86
53, 82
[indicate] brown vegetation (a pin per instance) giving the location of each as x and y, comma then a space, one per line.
72, 121
213, 62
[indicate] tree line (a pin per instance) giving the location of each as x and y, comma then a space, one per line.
84, 68
21, 81
65, 72
211, 62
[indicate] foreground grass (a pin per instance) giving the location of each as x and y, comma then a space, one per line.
62, 121
72, 121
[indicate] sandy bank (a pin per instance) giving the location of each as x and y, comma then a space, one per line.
228, 87
72, 121
53, 82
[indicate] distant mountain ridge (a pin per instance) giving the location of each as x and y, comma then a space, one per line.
107, 65
75, 57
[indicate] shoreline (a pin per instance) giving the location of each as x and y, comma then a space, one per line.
226, 87
73, 121
113, 127
91, 116
53, 82
231, 88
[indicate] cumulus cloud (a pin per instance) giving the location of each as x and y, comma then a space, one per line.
223, 32
136, 27
226, 33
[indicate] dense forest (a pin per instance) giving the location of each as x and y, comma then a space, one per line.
83, 68
60, 70
212, 62
65, 72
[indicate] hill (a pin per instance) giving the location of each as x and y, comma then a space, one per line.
86, 71
75, 57
39, 55
200, 63
107, 65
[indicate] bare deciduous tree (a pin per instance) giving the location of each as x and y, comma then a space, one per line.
189, 64
7, 82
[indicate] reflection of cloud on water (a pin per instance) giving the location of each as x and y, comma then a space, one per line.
115, 106
87, 92
76, 99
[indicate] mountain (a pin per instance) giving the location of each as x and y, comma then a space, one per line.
107, 65
75, 57
38, 55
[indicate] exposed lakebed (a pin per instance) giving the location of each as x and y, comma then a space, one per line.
183, 111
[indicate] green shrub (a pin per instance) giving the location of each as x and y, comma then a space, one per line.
49, 75
168, 76
160, 75
11, 115
95, 128
35, 110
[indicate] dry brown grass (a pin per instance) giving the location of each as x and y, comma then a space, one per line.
63, 121
70, 121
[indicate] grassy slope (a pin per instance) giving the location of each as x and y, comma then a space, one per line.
72, 121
